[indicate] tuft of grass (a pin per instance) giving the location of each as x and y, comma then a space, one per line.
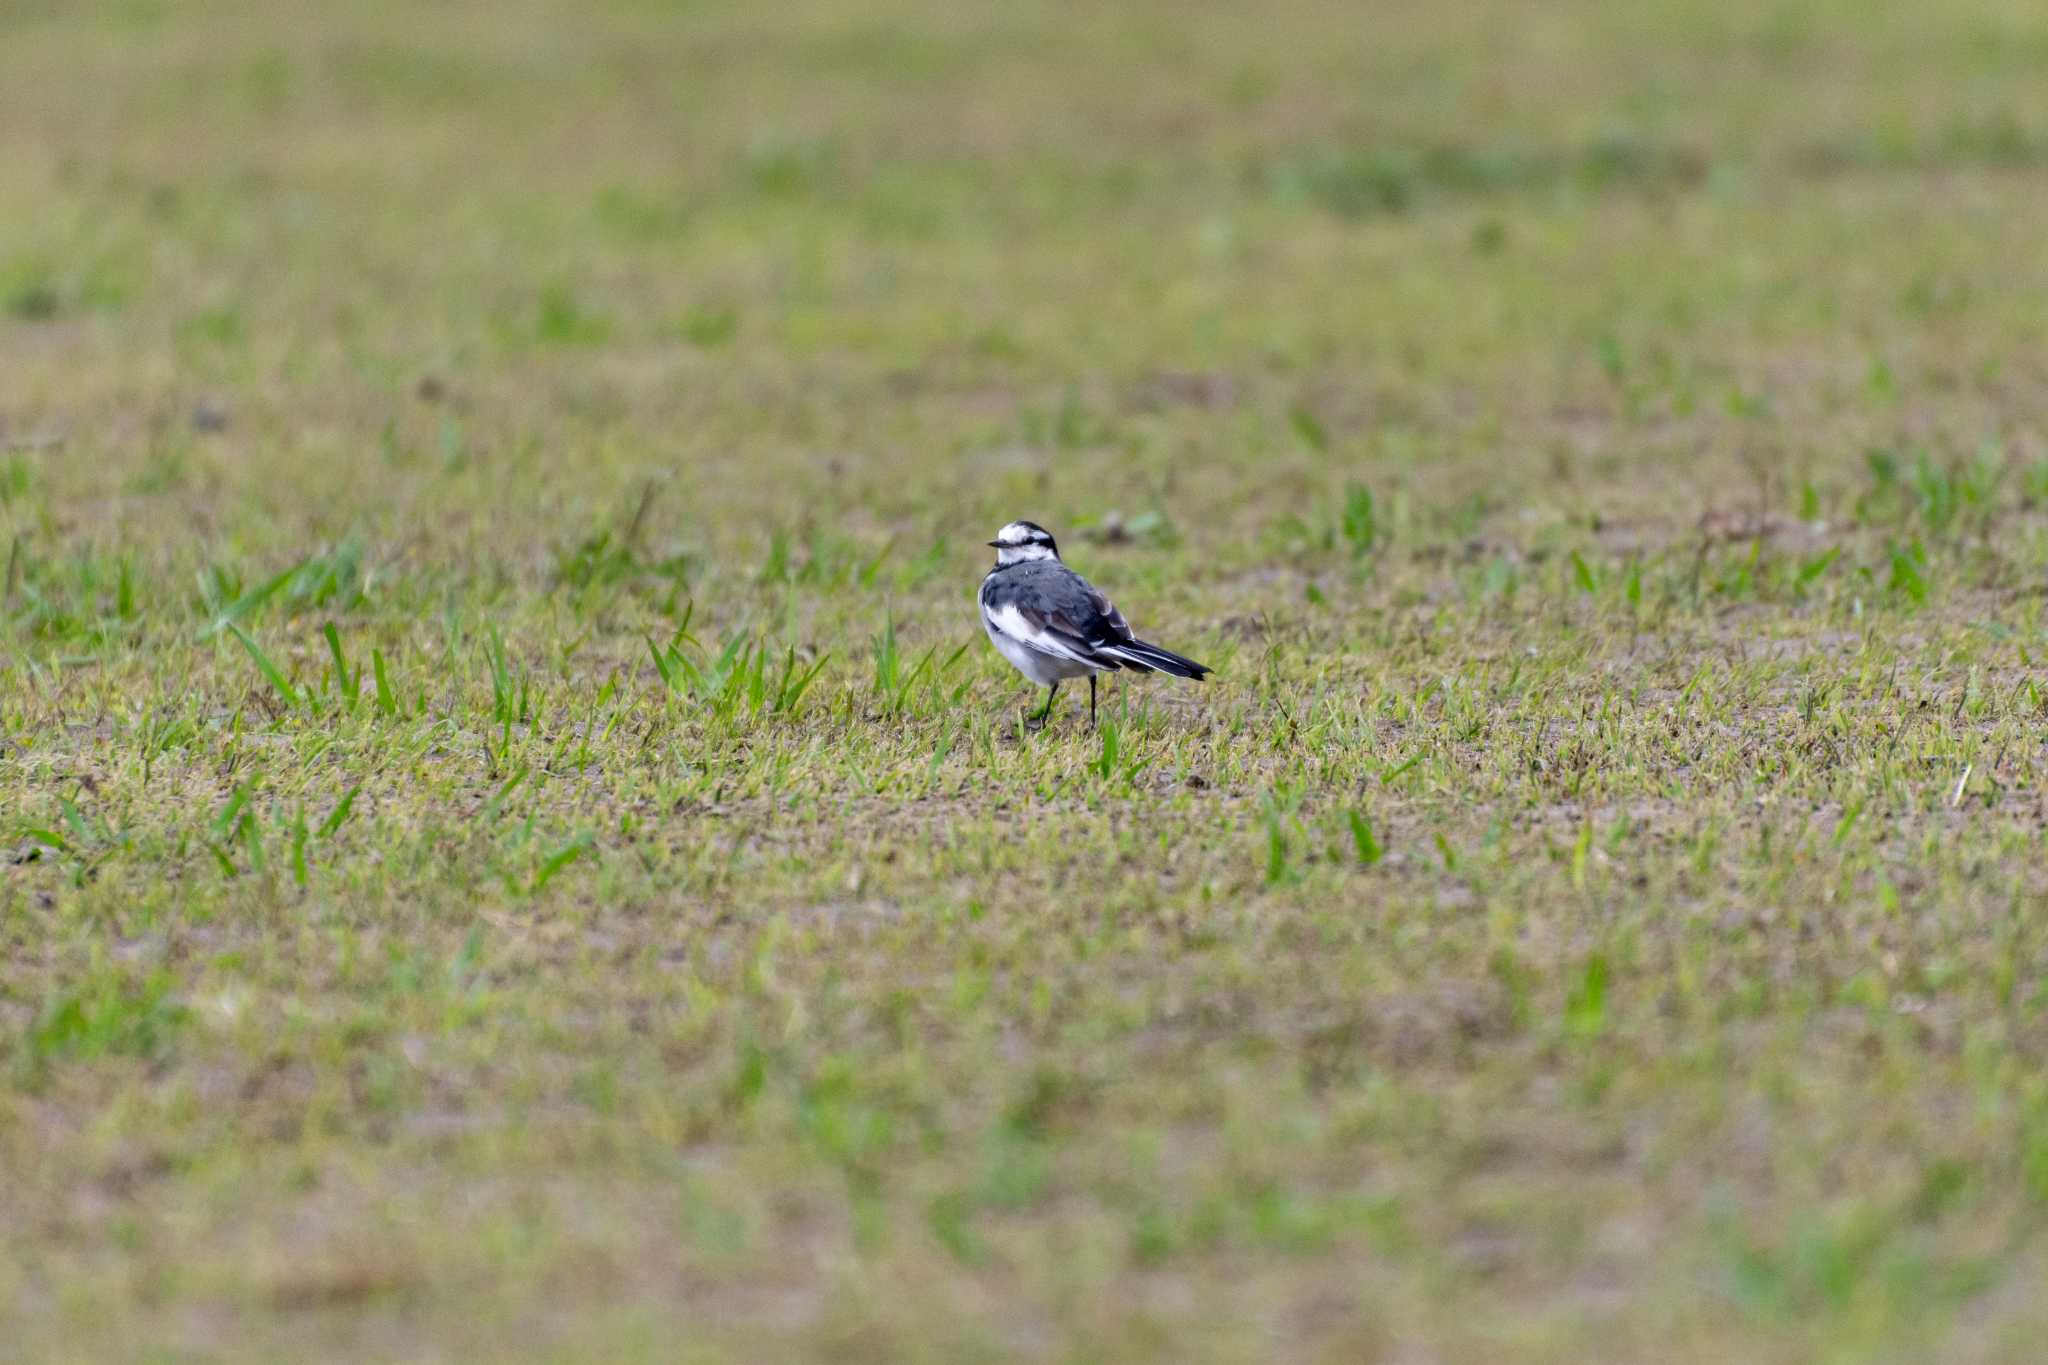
895, 677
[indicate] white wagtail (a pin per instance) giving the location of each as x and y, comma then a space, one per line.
1054, 624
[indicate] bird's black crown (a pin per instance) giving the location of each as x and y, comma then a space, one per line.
1019, 533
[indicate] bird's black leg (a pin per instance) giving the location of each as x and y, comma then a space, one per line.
1091, 701
1048, 704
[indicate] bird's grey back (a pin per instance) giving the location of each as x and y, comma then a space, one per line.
1044, 588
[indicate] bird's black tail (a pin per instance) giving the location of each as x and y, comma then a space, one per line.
1152, 659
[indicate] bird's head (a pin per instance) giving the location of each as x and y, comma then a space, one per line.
1024, 540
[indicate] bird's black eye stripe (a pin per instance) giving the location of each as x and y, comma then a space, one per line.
1018, 535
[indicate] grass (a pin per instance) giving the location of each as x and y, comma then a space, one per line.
515, 848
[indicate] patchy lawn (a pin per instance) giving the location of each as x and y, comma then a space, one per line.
516, 846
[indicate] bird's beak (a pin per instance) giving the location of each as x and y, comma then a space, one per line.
995, 545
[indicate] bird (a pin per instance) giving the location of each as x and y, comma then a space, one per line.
1052, 624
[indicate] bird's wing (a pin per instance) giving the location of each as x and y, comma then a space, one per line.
1055, 610
1046, 632
1107, 616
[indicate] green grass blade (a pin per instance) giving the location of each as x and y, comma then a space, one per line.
559, 859
343, 686
248, 602
387, 700
266, 667
1362, 839
337, 817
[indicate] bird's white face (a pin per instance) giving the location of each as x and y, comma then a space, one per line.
1021, 541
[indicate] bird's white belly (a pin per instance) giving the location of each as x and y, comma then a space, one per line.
1042, 668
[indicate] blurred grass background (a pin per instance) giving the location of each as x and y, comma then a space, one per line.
729, 235
1593, 912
